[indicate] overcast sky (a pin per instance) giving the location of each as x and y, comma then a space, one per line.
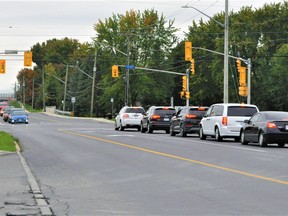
25, 23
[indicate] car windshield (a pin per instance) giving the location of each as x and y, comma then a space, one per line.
241, 111
281, 116
19, 113
135, 110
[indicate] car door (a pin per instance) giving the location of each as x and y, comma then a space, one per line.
208, 120
177, 119
252, 128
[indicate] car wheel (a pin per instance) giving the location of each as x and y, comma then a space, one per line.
242, 138
142, 129
182, 132
202, 136
115, 126
150, 130
262, 140
218, 137
172, 133
121, 127
281, 145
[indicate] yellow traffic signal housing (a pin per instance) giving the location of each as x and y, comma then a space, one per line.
115, 71
243, 91
2, 66
182, 93
188, 50
242, 76
187, 94
192, 68
238, 61
184, 83
27, 59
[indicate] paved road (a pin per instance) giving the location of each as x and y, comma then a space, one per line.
85, 167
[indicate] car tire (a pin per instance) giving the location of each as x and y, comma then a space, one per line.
142, 129
115, 125
218, 137
242, 138
182, 132
262, 140
172, 133
121, 127
281, 145
202, 136
149, 129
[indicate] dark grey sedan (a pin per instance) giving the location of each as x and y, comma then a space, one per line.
266, 127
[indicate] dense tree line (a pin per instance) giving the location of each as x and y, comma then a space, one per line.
151, 42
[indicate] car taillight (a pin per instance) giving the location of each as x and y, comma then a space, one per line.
224, 121
271, 125
125, 115
155, 117
190, 116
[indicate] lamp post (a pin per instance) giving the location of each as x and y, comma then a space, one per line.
225, 25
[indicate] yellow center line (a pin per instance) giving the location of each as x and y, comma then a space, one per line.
179, 158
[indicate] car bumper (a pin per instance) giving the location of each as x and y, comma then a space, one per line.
276, 137
131, 122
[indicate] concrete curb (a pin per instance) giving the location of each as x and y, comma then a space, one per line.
35, 189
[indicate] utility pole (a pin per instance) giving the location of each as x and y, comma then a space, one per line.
65, 88
127, 71
93, 84
43, 91
226, 74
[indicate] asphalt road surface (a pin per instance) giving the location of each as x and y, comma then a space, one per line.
85, 167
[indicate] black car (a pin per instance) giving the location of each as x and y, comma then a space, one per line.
157, 118
266, 127
187, 120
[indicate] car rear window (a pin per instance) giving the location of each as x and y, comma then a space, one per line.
277, 116
165, 111
135, 110
241, 111
197, 112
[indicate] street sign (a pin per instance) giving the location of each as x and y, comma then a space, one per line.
73, 99
130, 66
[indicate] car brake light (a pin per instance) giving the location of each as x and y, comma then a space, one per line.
190, 116
224, 121
271, 125
125, 115
155, 117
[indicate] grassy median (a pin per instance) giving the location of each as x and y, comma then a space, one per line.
7, 142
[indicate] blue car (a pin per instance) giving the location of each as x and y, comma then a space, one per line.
18, 116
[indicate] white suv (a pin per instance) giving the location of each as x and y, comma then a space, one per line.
225, 120
129, 117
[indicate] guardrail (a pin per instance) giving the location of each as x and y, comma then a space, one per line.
60, 112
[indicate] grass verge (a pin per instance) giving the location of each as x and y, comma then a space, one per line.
7, 142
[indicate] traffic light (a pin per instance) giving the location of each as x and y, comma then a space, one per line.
187, 94
2, 66
243, 91
242, 76
182, 93
192, 68
27, 59
188, 50
238, 61
115, 71
184, 83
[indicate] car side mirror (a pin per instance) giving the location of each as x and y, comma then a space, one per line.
246, 121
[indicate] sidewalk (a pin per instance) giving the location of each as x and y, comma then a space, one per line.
15, 196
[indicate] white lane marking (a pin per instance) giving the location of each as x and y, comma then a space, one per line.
124, 135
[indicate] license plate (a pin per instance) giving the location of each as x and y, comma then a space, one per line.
166, 119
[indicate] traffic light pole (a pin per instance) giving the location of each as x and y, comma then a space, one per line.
187, 86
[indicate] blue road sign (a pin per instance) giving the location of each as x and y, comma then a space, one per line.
130, 66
